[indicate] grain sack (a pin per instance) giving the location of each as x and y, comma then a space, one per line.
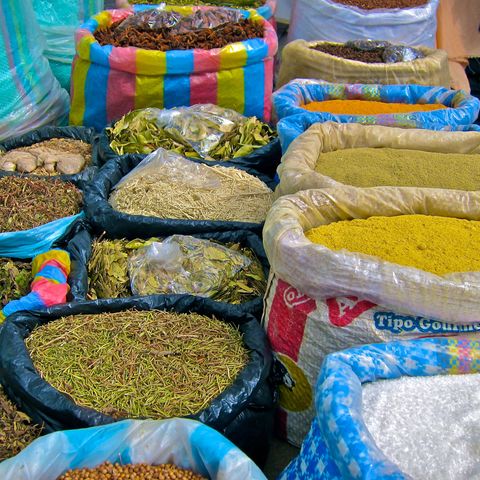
392, 411
110, 81
320, 301
297, 170
334, 22
299, 60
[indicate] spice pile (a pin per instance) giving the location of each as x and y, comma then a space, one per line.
140, 471
184, 34
373, 4
28, 203
178, 265
200, 131
15, 279
369, 107
50, 157
165, 185
439, 245
371, 167
133, 364
16, 429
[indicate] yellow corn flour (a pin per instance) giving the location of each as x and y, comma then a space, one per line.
370, 167
438, 245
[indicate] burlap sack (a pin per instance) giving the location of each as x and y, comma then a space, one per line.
297, 170
301, 61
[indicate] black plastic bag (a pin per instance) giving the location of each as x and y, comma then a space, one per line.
104, 217
85, 134
243, 412
262, 161
80, 246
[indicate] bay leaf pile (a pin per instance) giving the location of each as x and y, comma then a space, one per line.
183, 264
139, 364
15, 279
183, 130
28, 203
16, 429
50, 157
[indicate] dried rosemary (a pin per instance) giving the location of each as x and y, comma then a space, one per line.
164, 193
15, 279
28, 203
16, 429
134, 364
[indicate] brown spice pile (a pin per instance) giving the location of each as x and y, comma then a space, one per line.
373, 4
164, 40
139, 471
349, 53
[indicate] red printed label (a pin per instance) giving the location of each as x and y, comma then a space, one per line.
342, 311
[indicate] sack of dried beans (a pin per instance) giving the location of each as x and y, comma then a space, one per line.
92, 363
170, 59
336, 154
165, 193
412, 22
177, 448
68, 153
352, 265
394, 410
344, 63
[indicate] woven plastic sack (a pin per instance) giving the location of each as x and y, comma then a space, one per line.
185, 443
335, 22
290, 128
297, 170
30, 96
267, 10
339, 445
108, 82
299, 60
58, 20
462, 107
320, 301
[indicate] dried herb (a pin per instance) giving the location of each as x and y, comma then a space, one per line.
152, 364
28, 203
16, 429
15, 279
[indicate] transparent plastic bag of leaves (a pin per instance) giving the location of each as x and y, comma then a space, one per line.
184, 265
176, 168
207, 18
153, 19
391, 53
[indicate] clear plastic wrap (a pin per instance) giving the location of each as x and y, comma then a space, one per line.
184, 265
185, 443
391, 54
154, 19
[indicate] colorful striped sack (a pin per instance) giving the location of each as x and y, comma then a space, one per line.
30, 95
108, 82
49, 286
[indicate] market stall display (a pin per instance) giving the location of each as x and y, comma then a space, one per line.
200, 66
352, 426
410, 22
332, 154
323, 299
341, 63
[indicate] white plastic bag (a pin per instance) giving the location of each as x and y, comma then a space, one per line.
335, 22
185, 443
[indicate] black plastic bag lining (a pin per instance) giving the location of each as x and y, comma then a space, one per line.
251, 394
85, 134
105, 218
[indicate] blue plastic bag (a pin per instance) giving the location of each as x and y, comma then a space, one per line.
339, 445
185, 443
463, 108
290, 128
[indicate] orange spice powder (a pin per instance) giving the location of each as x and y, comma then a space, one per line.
366, 107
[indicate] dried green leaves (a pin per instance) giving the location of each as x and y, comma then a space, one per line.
15, 279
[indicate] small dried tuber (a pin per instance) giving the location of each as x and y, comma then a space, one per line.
70, 163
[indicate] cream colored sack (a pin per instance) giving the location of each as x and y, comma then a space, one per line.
321, 273
301, 61
297, 170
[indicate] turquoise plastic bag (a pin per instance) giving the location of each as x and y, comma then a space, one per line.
185, 443
339, 444
30, 243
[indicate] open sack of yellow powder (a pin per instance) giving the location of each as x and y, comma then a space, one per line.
333, 154
323, 299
